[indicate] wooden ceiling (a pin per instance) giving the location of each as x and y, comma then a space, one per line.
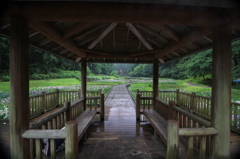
121, 32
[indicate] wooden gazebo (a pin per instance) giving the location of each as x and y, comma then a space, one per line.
121, 32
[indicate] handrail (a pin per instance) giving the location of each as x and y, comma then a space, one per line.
194, 117
43, 121
197, 131
69, 134
44, 134
173, 143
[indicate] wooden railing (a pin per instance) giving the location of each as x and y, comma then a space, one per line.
50, 127
187, 121
168, 95
235, 124
44, 102
199, 105
173, 140
143, 103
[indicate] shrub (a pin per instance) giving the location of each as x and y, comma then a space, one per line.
6, 78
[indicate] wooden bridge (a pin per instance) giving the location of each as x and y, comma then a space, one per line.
119, 135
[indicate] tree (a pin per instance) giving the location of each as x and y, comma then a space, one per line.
196, 65
4, 56
236, 60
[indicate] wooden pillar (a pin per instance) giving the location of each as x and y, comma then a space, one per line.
102, 107
84, 80
155, 81
138, 106
173, 139
221, 90
71, 141
19, 83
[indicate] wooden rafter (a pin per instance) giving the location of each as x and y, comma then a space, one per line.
50, 32
187, 38
139, 45
33, 34
89, 31
77, 28
169, 31
208, 39
85, 41
114, 39
45, 41
127, 39
139, 36
151, 32
175, 53
102, 35
153, 41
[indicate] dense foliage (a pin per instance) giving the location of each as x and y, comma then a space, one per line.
43, 65
199, 65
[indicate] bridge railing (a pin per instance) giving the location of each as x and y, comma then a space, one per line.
200, 105
45, 102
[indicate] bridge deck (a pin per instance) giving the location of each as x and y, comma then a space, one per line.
119, 135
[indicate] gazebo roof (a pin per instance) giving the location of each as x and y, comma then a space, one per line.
123, 32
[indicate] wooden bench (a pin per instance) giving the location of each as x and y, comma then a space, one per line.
84, 121
160, 127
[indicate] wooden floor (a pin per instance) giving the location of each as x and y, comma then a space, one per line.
119, 135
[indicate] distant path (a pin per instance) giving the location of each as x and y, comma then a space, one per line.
119, 97
197, 85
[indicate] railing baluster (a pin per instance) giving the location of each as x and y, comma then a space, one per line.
38, 149
190, 147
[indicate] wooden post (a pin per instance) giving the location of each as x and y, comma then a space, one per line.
84, 81
171, 116
102, 109
138, 107
19, 87
44, 102
173, 139
71, 142
67, 105
155, 81
190, 147
221, 91
192, 101
177, 96
79, 93
57, 98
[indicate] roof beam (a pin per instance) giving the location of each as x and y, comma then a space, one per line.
169, 31
77, 28
51, 33
139, 36
125, 13
187, 38
102, 35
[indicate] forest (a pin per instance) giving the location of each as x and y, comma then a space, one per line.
43, 65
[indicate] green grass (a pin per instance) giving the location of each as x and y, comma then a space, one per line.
5, 86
